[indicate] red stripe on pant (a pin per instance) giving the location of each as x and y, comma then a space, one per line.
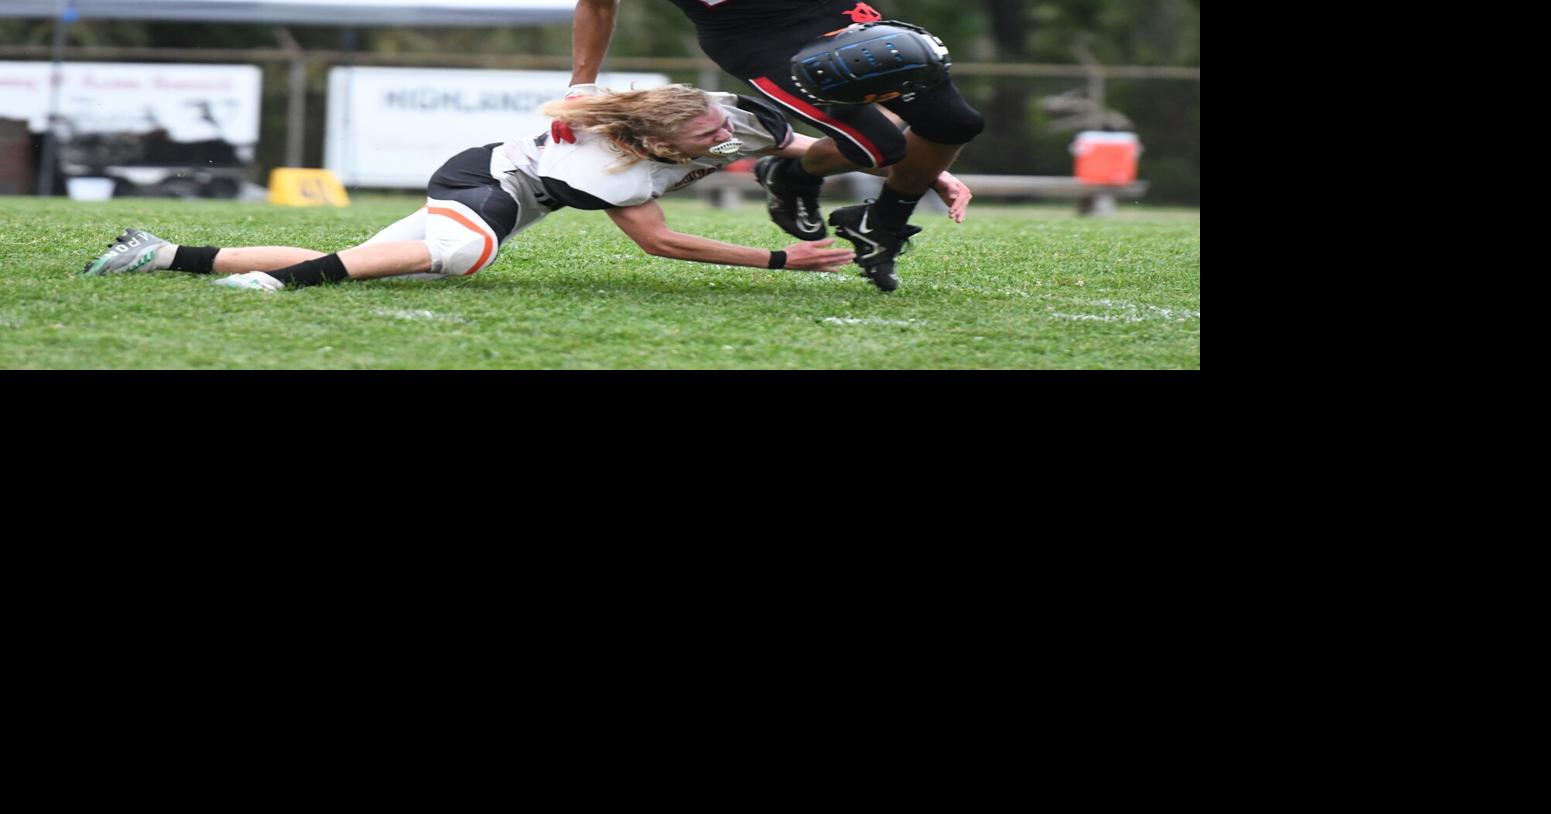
775, 91
489, 244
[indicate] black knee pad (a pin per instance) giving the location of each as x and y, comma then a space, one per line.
942, 115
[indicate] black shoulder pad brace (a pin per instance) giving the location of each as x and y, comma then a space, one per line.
565, 195
768, 116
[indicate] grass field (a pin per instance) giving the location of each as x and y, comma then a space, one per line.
1012, 287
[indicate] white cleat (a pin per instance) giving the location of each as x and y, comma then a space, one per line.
251, 281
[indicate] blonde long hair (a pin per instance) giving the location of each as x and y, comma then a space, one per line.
641, 122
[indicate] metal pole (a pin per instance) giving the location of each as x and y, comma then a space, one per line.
1096, 95
347, 42
64, 15
296, 115
1095, 76
296, 109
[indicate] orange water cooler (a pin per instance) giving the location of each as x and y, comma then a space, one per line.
1106, 158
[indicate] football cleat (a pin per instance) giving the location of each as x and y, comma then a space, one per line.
876, 247
793, 208
134, 250
251, 281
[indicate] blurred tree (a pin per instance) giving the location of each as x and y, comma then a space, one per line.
1166, 113
1010, 133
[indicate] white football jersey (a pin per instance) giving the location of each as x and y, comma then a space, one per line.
593, 165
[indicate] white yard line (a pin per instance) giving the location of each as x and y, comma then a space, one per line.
419, 314
1130, 312
908, 323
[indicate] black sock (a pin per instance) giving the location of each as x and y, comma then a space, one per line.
197, 259
792, 173
326, 269
893, 209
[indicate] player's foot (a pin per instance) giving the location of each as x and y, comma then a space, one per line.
251, 281
134, 250
793, 208
876, 247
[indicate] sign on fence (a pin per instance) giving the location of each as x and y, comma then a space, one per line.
392, 127
191, 103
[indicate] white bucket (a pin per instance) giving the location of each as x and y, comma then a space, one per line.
89, 189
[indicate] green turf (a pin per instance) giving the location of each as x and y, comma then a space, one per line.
1013, 287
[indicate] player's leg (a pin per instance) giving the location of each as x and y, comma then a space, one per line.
136, 250
468, 214
856, 137
859, 136
258, 258
941, 123
139, 250
400, 249
457, 233
388, 259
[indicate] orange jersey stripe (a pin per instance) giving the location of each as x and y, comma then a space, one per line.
489, 244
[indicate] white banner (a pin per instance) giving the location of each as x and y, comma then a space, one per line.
190, 102
393, 127
321, 12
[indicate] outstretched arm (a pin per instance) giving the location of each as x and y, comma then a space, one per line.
648, 227
592, 26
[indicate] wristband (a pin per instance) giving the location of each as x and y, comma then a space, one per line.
777, 260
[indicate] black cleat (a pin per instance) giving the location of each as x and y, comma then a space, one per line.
795, 209
876, 247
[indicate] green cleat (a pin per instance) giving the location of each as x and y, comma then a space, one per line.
134, 250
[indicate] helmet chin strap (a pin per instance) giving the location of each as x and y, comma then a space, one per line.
726, 148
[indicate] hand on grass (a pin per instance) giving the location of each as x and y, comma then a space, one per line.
813, 255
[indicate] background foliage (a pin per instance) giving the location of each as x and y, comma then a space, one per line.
1024, 136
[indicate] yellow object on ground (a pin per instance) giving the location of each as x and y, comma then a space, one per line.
293, 186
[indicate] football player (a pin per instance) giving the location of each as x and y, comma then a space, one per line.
754, 40
630, 148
